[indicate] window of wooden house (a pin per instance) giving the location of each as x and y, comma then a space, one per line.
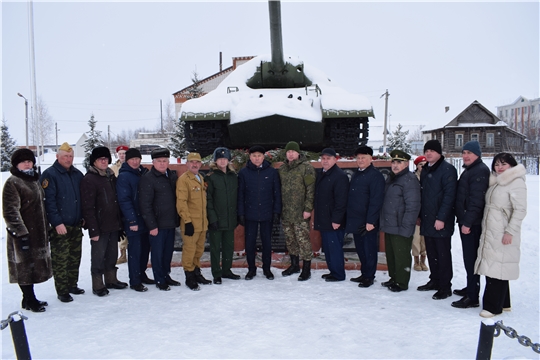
459, 141
474, 137
490, 140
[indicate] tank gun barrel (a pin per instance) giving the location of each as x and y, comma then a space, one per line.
276, 39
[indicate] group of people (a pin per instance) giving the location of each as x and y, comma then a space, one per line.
45, 216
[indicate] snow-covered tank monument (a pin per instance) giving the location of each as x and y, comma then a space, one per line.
273, 99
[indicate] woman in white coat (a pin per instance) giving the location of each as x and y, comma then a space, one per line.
498, 253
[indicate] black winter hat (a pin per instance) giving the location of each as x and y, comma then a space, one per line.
21, 155
221, 153
133, 153
434, 145
364, 150
99, 152
329, 152
257, 148
160, 153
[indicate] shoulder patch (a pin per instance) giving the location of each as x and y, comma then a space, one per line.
45, 183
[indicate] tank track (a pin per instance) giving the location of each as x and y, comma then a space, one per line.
204, 136
345, 135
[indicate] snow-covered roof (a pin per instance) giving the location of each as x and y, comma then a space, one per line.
234, 97
499, 123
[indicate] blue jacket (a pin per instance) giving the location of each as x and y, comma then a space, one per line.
438, 184
259, 192
366, 194
127, 190
471, 193
401, 204
331, 190
62, 195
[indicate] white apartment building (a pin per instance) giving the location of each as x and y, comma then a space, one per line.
523, 115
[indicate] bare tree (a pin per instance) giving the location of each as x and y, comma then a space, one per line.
168, 117
42, 124
416, 135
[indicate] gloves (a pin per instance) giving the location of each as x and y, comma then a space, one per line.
189, 230
242, 220
25, 242
213, 226
276, 219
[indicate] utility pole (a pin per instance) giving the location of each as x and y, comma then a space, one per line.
109, 136
26, 116
386, 95
56, 132
161, 110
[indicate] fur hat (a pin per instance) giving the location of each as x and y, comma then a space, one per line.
474, 147
364, 150
400, 155
292, 145
122, 147
99, 152
256, 148
221, 153
160, 153
194, 157
419, 159
329, 152
133, 153
434, 145
21, 155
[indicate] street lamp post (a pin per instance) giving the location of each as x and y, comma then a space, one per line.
26, 116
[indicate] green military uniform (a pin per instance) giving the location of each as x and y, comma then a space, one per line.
221, 200
297, 192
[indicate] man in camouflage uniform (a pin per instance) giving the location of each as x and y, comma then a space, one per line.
61, 183
297, 191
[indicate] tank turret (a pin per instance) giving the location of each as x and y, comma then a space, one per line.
271, 100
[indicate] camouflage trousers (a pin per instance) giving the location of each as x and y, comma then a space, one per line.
297, 239
66, 258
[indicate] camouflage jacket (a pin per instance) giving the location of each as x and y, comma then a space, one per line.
297, 189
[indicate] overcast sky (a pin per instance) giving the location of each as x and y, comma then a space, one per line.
118, 60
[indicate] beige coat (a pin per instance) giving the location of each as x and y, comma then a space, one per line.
506, 207
191, 201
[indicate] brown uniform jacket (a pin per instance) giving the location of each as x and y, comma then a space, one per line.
191, 201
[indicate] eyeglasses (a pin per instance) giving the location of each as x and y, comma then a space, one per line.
102, 159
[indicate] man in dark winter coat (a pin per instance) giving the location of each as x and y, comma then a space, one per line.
470, 201
127, 187
61, 183
398, 220
221, 201
366, 193
259, 205
102, 218
157, 201
438, 181
330, 204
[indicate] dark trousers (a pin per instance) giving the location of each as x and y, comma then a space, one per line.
221, 246
398, 258
138, 254
162, 248
367, 248
470, 243
66, 258
266, 240
439, 253
104, 253
332, 242
496, 295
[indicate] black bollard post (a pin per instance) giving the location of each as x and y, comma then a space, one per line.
485, 341
18, 333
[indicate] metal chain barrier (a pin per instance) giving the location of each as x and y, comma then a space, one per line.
511, 333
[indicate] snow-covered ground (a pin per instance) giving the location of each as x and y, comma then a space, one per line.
282, 318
